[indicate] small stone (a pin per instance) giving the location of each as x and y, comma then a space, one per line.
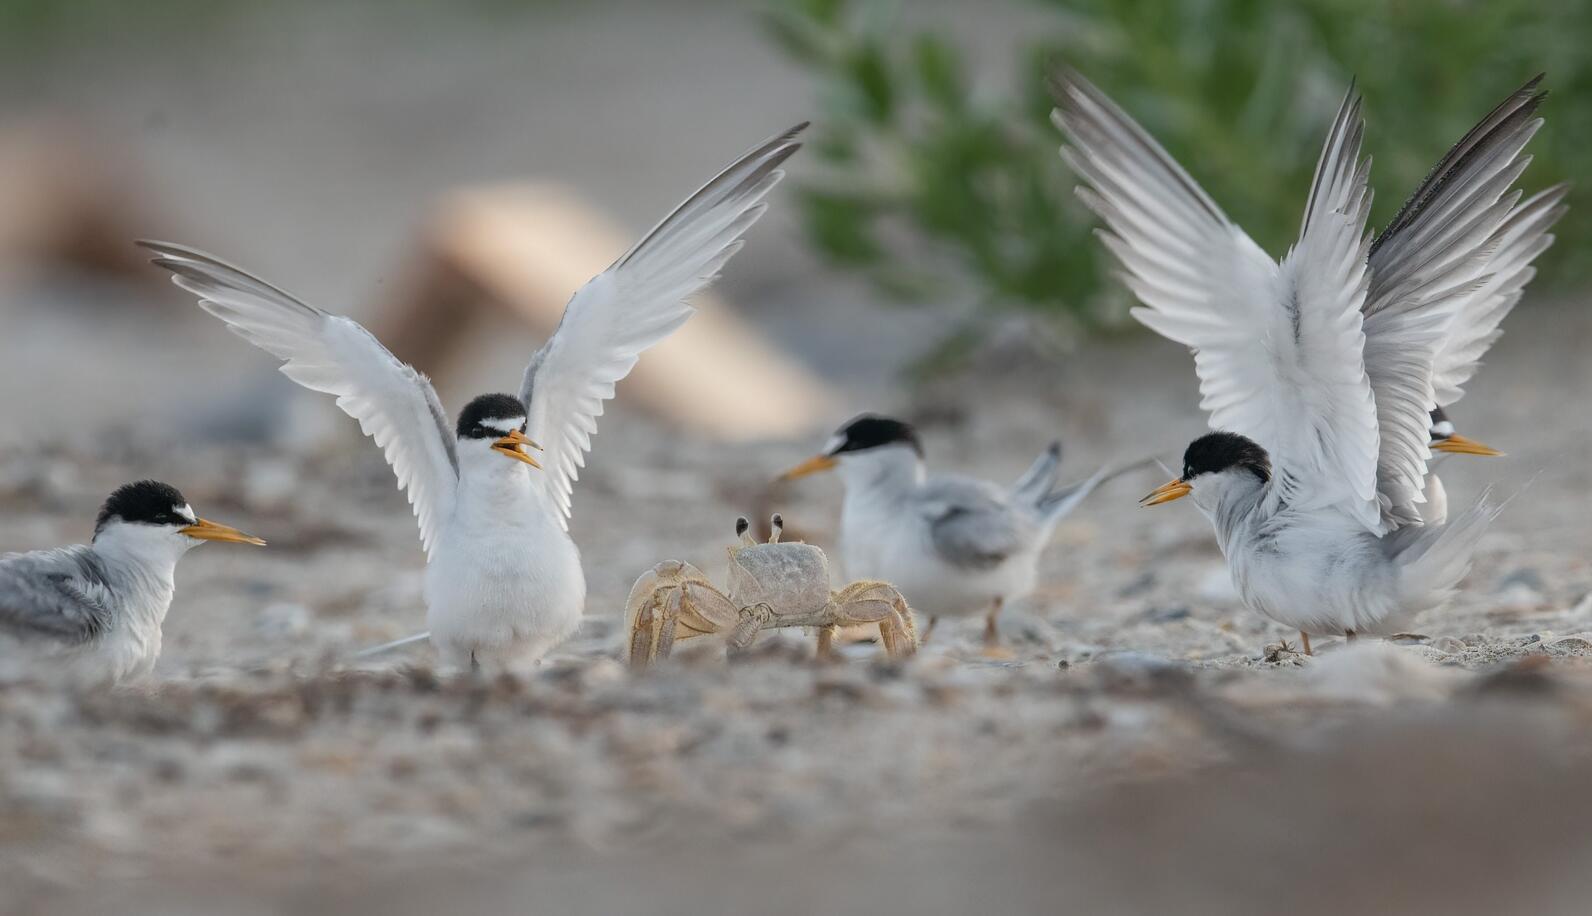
1571, 645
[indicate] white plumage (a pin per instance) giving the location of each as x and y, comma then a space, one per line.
503, 580
94, 612
1329, 359
955, 546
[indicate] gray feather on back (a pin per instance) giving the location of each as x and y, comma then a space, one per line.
46, 594
971, 525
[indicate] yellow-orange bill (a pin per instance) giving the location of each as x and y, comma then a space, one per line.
206, 530
510, 445
1459, 445
812, 465
1166, 492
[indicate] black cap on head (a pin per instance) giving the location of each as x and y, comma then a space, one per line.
489, 407
146, 502
873, 431
1442, 426
1219, 451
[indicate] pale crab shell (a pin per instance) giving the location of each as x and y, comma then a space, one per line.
791, 579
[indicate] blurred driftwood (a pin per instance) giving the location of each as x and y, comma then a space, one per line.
526, 248
66, 198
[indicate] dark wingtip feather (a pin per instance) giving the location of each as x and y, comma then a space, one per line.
1505, 119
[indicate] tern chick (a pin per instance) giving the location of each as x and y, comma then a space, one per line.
955, 546
503, 582
94, 611
1321, 371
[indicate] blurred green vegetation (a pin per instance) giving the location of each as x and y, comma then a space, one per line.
937, 187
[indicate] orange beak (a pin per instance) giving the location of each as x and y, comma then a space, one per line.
210, 531
510, 445
812, 465
1459, 445
1166, 492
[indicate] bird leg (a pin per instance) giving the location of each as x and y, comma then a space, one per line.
992, 633
1304, 642
928, 631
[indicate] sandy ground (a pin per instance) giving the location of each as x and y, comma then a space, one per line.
260, 748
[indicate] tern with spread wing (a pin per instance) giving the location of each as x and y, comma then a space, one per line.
955, 546
503, 582
1320, 372
94, 611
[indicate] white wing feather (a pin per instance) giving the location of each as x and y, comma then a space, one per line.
1277, 347
1443, 273
1523, 236
632, 305
394, 404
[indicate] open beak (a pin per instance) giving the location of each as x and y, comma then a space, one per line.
812, 465
1459, 445
1166, 492
510, 445
205, 530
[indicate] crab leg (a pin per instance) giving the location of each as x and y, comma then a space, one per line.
878, 603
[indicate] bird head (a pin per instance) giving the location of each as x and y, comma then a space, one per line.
493, 425
1449, 442
1214, 464
864, 441
150, 517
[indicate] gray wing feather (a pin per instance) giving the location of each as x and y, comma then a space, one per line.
1059, 502
971, 526
394, 403
1039, 478
639, 300
47, 595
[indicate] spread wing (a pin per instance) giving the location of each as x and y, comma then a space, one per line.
635, 303
1443, 273
52, 595
1523, 236
1277, 347
394, 404
970, 526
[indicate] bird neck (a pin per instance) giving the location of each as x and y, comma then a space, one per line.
1233, 501
148, 556
889, 471
492, 486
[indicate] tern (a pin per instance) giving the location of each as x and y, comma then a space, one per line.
503, 582
95, 610
1320, 372
954, 545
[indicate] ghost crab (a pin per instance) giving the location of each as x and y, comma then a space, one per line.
771, 585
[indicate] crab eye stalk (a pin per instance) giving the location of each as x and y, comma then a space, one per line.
776, 528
